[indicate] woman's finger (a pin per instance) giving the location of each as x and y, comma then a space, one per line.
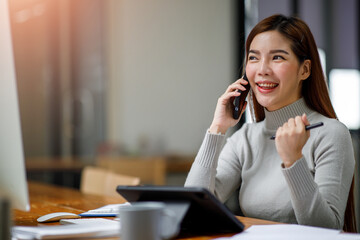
239, 84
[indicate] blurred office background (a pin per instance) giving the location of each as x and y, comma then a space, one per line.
139, 79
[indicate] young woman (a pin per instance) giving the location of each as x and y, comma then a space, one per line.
300, 177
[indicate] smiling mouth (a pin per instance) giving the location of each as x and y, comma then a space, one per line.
267, 86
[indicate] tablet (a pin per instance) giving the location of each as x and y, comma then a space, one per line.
198, 210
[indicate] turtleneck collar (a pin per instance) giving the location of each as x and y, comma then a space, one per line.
277, 118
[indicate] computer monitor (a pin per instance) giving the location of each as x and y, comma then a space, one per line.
13, 184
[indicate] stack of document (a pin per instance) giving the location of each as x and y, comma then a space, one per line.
83, 228
111, 210
291, 231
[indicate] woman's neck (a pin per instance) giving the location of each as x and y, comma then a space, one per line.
275, 119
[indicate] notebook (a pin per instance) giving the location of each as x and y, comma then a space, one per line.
69, 231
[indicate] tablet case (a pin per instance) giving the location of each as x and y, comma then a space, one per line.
198, 210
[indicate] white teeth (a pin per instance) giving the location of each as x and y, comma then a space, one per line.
267, 85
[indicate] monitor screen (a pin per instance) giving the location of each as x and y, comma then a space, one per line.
13, 185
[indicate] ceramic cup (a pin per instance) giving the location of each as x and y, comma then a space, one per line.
147, 220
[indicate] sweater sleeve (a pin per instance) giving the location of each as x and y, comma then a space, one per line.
213, 167
203, 169
319, 198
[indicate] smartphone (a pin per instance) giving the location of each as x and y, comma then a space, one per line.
240, 100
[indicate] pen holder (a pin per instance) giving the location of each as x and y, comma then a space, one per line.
5, 219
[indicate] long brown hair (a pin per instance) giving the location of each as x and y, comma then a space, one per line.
314, 88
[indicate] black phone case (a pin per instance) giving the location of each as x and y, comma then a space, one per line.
240, 100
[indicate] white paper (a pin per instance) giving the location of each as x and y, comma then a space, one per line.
290, 232
110, 208
290, 228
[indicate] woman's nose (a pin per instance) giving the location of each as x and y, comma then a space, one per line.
264, 68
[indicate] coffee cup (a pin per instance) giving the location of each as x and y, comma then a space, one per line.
147, 220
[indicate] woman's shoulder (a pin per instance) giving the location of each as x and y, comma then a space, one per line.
332, 127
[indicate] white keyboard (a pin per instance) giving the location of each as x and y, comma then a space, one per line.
89, 221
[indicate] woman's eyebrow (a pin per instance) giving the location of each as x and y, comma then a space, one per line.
254, 51
271, 51
279, 51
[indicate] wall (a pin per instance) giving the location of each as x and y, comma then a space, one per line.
168, 62
33, 24
334, 24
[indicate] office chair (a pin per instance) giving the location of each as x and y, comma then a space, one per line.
151, 170
100, 181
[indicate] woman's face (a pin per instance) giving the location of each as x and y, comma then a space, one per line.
274, 71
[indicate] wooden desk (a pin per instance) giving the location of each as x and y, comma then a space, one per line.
48, 198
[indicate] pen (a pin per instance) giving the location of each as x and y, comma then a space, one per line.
308, 127
86, 214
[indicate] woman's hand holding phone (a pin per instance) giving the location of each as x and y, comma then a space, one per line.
224, 112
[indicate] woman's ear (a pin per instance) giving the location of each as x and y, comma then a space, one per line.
305, 69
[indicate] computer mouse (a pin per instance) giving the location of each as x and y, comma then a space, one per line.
53, 217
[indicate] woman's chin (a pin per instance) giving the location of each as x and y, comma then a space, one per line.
265, 102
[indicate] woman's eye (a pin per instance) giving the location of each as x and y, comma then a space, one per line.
278, 57
252, 58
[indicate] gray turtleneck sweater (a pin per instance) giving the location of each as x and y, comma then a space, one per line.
313, 191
